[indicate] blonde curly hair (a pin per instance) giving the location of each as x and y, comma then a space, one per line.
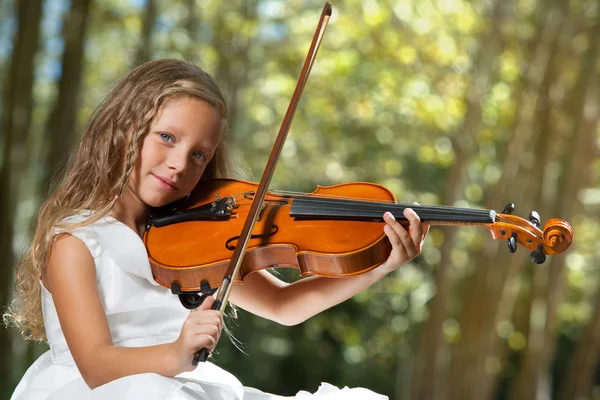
100, 168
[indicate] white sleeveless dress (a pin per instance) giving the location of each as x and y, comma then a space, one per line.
140, 313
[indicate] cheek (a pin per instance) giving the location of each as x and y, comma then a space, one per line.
149, 154
194, 178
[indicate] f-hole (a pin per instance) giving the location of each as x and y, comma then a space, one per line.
274, 230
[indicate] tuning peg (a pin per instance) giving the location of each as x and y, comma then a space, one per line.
538, 256
509, 208
534, 217
512, 242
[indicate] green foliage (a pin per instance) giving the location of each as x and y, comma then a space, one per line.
386, 102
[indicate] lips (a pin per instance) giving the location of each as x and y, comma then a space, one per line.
165, 183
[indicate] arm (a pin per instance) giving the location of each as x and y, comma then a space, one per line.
289, 304
71, 278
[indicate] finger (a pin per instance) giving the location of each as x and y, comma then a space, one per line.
207, 320
206, 304
398, 250
425, 227
210, 330
204, 341
416, 227
398, 235
405, 233
204, 317
205, 313
211, 317
425, 230
206, 337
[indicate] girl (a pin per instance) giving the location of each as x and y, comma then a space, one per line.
86, 286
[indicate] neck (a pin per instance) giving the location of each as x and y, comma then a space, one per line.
131, 211
307, 207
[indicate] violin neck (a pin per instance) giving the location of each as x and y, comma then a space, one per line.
307, 207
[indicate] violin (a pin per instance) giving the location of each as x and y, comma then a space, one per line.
335, 231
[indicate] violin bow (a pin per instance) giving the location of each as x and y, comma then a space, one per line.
238, 254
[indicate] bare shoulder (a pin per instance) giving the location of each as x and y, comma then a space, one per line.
71, 279
69, 260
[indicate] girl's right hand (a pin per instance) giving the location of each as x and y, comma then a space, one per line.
201, 329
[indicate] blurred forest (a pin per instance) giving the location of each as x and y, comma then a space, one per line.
474, 103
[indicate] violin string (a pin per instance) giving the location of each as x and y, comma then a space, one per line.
371, 201
448, 211
345, 202
423, 211
429, 213
355, 209
499, 217
361, 203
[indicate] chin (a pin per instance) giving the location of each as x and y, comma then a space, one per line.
157, 202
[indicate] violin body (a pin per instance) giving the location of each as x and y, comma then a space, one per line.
200, 250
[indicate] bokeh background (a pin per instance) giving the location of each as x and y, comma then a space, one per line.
474, 103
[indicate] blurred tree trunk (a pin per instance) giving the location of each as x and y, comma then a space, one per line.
560, 199
232, 45
144, 51
579, 378
491, 290
191, 27
551, 23
431, 364
6, 18
499, 266
541, 142
16, 121
520, 180
62, 122
580, 373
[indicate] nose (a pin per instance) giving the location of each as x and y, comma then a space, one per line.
177, 162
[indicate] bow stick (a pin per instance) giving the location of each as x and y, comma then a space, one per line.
238, 254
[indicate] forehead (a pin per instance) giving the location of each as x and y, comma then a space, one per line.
190, 118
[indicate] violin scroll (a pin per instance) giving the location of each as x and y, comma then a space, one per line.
558, 235
555, 238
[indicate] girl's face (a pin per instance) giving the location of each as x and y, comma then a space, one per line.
181, 142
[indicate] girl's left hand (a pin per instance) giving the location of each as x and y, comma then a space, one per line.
406, 243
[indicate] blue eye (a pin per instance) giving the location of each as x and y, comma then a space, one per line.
198, 156
166, 137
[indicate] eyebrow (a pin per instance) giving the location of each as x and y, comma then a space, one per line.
173, 128
203, 142
176, 129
